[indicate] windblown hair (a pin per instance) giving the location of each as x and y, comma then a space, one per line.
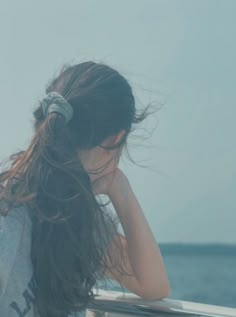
69, 229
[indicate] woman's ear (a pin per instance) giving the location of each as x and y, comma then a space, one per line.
114, 139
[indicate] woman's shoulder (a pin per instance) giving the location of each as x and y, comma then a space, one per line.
12, 227
14, 220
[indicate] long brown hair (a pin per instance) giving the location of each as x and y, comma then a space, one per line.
69, 229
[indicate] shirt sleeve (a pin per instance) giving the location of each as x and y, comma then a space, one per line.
112, 222
111, 219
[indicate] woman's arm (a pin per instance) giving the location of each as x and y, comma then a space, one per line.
142, 254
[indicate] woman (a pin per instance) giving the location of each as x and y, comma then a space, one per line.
56, 239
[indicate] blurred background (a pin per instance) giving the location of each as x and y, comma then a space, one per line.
178, 55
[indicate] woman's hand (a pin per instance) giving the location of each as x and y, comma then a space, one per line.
109, 182
101, 184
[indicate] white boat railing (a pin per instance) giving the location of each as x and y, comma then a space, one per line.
114, 302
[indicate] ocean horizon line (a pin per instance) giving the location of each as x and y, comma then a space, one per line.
197, 248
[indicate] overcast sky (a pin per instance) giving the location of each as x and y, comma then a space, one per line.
179, 53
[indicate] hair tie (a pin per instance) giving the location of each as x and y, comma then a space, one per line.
54, 102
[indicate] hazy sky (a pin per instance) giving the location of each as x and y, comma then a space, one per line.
180, 53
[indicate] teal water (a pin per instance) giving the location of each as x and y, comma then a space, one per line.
200, 273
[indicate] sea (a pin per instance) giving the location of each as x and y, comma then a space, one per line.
199, 273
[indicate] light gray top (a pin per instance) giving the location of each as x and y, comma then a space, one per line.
16, 295
16, 271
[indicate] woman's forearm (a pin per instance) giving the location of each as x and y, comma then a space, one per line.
144, 253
